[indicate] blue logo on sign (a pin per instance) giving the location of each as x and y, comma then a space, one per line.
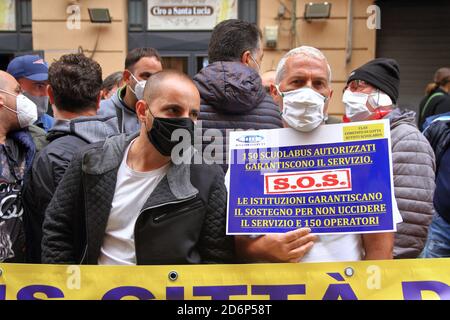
251, 139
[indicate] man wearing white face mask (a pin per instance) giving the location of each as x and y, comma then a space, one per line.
140, 64
31, 72
371, 93
17, 151
303, 91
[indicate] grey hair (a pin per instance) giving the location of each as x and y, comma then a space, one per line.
307, 51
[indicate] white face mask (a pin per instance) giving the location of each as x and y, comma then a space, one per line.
26, 110
138, 88
356, 104
303, 108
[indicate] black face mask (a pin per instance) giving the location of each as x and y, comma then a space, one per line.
160, 135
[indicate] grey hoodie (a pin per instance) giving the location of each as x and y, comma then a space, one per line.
90, 129
414, 168
126, 117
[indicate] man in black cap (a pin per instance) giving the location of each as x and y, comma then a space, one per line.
372, 93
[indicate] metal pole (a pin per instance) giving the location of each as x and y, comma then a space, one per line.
294, 24
349, 46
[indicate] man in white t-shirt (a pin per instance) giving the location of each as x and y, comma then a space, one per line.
302, 90
130, 200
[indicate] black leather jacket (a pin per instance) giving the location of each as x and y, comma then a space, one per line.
182, 222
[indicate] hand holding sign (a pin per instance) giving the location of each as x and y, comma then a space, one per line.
278, 247
335, 180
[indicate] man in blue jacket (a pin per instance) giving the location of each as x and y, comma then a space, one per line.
438, 241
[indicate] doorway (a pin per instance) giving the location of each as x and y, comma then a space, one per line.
5, 58
189, 63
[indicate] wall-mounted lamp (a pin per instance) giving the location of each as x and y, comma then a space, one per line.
99, 15
317, 10
271, 36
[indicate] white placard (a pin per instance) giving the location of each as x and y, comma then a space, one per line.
166, 15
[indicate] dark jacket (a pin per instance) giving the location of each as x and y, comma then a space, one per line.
438, 133
232, 97
126, 117
413, 167
19, 151
65, 138
182, 222
439, 103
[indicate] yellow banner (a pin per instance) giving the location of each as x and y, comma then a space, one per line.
376, 280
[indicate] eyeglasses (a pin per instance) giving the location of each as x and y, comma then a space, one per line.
357, 85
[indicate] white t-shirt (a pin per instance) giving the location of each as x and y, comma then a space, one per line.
342, 247
132, 191
336, 247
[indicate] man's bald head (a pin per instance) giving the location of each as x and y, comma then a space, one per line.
7, 81
168, 94
9, 88
159, 80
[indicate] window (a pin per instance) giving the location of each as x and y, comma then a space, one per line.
136, 13
15, 15
176, 63
248, 10
25, 15
8, 15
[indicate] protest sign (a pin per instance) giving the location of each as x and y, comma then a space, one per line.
336, 179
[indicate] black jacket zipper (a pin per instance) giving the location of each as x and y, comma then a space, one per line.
168, 215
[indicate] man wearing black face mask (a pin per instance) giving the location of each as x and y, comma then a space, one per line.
139, 206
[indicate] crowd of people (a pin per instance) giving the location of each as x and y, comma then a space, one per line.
99, 183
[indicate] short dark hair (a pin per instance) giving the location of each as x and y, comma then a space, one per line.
231, 38
137, 54
114, 79
76, 81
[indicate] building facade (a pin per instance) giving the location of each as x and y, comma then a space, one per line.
355, 32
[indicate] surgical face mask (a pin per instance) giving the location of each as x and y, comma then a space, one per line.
138, 88
356, 104
160, 135
303, 109
25, 109
40, 102
379, 99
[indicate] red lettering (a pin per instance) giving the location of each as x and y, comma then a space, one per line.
281, 184
330, 180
